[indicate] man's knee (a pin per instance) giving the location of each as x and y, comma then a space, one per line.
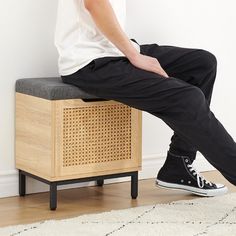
208, 60
187, 104
193, 99
185, 96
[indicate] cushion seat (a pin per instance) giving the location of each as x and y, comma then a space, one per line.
51, 88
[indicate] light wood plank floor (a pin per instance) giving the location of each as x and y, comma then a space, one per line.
74, 202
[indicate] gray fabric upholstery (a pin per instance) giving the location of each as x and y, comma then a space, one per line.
51, 88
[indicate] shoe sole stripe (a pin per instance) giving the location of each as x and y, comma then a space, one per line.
190, 189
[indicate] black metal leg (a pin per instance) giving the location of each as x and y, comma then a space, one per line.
134, 185
53, 185
21, 184
100, 182
53, 195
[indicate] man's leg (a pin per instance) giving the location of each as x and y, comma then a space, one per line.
195, 66
180, 105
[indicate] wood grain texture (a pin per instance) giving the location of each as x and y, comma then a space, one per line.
68, 139
33, 135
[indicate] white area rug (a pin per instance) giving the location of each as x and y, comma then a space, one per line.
214, 216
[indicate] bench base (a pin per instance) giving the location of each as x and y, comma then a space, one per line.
53, 184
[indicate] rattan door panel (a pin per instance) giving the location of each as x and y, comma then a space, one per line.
93, 137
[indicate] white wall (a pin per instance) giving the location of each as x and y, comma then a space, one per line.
27, 50
200, 24
26, 46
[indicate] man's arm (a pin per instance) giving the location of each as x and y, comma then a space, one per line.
107, 22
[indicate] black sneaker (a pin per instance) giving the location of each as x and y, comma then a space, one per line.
178, 173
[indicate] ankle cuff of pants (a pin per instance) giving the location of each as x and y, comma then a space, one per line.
176, 154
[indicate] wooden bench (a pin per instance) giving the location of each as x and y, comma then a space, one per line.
64, 135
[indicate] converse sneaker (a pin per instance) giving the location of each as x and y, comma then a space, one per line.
178, 173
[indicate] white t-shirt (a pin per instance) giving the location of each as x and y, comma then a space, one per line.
77, 38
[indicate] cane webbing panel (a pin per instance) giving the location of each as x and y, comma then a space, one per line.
96, 134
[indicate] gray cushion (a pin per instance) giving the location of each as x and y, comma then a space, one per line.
51, 88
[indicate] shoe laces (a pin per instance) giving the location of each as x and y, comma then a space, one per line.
200, 178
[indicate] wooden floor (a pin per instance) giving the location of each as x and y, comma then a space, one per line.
74, 202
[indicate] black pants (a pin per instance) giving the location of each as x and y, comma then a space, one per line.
181, 101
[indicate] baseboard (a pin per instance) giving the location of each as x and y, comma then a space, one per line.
150, 166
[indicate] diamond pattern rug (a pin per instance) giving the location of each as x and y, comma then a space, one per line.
215, 216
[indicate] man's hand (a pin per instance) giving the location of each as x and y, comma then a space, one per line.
148, 63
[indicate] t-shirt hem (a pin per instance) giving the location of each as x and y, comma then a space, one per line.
77, 68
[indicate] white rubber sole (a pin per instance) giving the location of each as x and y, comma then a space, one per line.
202, 192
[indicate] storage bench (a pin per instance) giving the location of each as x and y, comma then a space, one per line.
64, 135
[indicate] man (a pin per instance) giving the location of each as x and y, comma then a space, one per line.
172, 83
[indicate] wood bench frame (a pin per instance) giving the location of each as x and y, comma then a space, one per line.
39, 144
